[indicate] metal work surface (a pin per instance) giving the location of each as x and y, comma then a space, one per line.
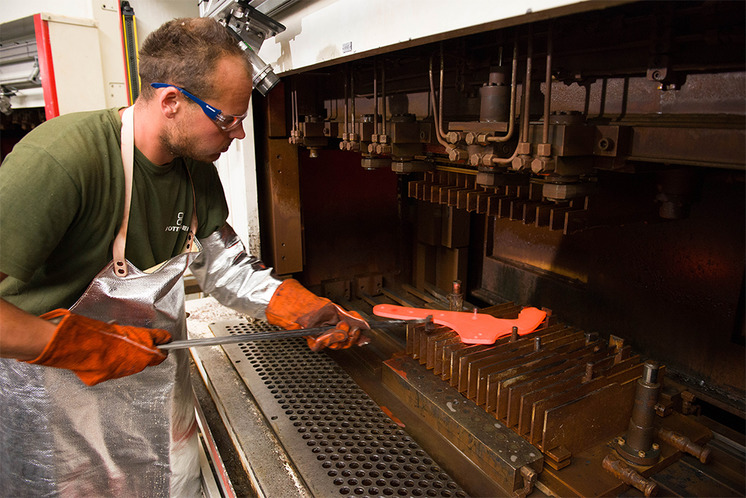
340, 441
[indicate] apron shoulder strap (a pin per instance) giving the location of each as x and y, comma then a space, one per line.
194, 224
128, 161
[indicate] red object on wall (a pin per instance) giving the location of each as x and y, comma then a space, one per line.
46, 67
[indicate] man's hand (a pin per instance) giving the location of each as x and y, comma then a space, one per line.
294, 307
97, 351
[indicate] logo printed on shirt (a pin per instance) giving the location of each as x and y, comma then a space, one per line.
179, 224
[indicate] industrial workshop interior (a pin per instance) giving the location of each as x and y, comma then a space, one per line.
575, 163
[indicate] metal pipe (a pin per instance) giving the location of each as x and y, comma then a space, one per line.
296, 116
352, 98
383, 98
346, 128
548, 89
527, 87
524, 115
441, 140
513, 82
440, 93
375, 97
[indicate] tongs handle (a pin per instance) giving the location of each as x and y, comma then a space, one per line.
267, 335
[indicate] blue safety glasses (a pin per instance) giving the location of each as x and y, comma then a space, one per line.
225, 122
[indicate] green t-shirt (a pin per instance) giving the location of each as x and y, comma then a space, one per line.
62, 201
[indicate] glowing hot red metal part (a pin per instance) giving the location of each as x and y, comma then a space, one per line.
474, 328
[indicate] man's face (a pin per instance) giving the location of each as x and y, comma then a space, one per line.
195, 135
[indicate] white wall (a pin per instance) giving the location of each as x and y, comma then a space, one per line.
149, 14
320, 31
14, 9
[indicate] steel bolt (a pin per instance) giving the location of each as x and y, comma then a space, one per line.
453, 137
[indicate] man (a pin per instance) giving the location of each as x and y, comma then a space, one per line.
98, 212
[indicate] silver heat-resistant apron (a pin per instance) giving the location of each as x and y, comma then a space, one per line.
131, 437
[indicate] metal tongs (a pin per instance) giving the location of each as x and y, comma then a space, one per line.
274, 334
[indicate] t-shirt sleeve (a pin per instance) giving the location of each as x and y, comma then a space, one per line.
38, 202
212, 207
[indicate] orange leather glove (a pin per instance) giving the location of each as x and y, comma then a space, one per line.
294, 307
97, 351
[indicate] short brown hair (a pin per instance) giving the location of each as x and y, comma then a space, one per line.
185, 52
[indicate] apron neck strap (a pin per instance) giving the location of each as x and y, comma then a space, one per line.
128, 161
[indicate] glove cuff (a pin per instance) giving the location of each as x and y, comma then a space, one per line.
48, 355
290, 302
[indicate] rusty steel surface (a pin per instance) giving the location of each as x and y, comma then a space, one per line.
567, 393
498, 451
284, 208
569, 379
514, 202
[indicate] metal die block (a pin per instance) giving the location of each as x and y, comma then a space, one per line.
490, 127
406, 150
543, 213
426, 132
402, 132
500, 453
527, 353
567, 139
364, 131
573, 166
611, 141
476, 200
453, 196
498, 206
462, 198
431, 342
455, 230
425, 334
441, 354
336, 290
451, 265
497, 395
429, 223
313, 129
528, 213
398, 166
511, 390
558, 383
425, 264
453, 366
331, 129
415, 189
589, 419
540, 408
369, 284
444, 194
